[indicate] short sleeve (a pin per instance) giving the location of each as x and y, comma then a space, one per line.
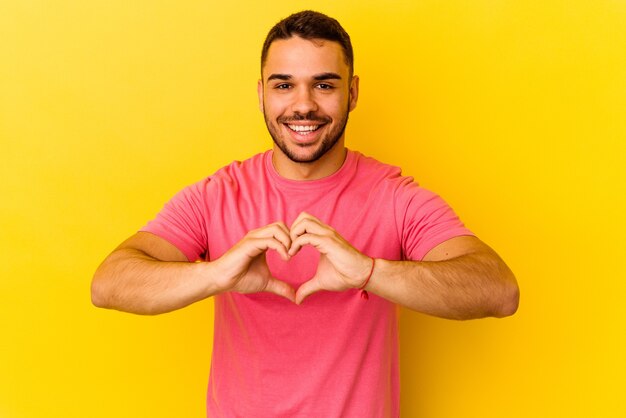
183, 221
424, 220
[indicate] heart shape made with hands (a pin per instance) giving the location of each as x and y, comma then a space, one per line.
309, 271
340, 266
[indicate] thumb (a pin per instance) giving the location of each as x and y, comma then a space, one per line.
306, 289
280, 288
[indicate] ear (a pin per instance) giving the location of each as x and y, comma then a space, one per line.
259, 90
354, 92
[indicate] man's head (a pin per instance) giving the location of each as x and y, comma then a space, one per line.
307, 87
310, 25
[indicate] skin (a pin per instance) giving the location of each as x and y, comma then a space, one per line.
305, 83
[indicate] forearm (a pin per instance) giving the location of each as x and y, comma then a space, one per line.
470, 286
130, 280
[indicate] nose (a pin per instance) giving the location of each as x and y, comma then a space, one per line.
304, 102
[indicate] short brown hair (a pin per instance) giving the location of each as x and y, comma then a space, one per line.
310, 25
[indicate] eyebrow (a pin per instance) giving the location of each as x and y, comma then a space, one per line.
283, 77
327, 76
317, 77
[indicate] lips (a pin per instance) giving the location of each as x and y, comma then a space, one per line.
303, 129
304, 135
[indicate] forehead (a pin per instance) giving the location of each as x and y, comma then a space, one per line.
301, 57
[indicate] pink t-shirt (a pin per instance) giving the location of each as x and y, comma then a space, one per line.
336, 355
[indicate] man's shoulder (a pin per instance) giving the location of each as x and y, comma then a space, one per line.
372, 167
237, 171
232, 175
252, 164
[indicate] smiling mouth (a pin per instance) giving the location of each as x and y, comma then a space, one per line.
303, 129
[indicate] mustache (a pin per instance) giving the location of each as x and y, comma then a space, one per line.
309, 117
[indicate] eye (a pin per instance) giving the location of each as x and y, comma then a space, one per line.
325, 86
282, 86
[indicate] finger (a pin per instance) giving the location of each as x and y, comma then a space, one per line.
277, 230
307, 289
280, 288
317, 241
304, 215
256, 246
309, 226
281, 232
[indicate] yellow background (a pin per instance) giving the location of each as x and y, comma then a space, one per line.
514, 111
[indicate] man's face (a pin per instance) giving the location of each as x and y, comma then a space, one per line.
305, 96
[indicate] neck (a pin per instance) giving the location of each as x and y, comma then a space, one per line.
326, 165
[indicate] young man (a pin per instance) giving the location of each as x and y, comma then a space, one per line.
307, 250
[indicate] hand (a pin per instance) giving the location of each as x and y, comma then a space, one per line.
244, 268
341, 266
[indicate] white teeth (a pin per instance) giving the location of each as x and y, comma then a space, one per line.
302, 129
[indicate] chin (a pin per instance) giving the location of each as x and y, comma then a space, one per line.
306, 154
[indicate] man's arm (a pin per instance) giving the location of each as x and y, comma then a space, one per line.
461, 278
148, 275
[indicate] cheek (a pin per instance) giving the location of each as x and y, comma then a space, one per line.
334, 102
274, 106
335, 107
